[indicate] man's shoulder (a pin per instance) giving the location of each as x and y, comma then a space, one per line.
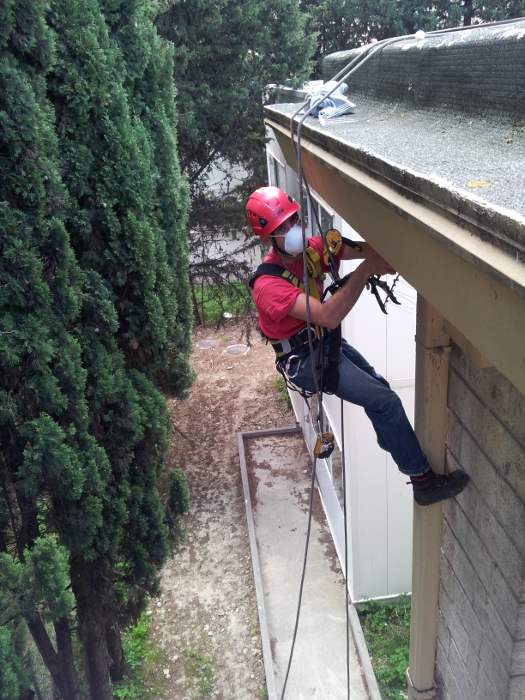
266, 269
268, 279
273, 285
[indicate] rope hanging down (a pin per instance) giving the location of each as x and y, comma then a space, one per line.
319, 452
322, 449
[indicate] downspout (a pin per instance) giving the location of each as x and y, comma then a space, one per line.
432, 362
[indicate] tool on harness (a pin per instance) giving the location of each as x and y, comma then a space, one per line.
374, 282
333, 242
324, 445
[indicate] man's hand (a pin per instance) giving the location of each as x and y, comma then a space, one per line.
331, 313
376, 265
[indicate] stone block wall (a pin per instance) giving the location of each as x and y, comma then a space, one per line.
481, 639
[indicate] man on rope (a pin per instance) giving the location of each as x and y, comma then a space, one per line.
285, 311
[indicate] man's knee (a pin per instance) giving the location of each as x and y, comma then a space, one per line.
385, 401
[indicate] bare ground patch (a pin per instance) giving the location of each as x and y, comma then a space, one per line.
206, 618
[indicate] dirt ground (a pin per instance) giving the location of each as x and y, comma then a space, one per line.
206, 618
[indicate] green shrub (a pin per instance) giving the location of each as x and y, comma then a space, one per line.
280, 385
386, 627
144, 659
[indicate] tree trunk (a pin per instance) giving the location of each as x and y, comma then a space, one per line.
96, 657
28, 694
90, 589
38, 692
66, 659
29, 519
468, 13
48, 653
195, 304
119, 669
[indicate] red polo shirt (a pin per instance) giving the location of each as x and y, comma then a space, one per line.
274, 297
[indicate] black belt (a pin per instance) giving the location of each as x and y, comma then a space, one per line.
288, 345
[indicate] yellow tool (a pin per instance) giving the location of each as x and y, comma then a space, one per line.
333, 243
324, 445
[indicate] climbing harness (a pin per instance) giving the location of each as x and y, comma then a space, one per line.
286, 346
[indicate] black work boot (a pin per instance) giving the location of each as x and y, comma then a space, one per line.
431, 487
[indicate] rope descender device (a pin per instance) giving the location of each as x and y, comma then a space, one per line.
324, 445
333, 242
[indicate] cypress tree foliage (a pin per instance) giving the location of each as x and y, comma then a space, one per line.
14, 679
91, 316
43, 432
150, 89
227, 52
125, 227
121, 232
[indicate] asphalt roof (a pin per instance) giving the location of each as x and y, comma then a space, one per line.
471, 165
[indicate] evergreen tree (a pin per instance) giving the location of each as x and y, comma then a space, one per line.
346, 24
123, 232
150, 91
128, 226
94, 310
40, 359
226, 53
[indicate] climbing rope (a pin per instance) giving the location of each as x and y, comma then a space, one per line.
318, 383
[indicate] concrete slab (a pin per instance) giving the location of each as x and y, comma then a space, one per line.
279, 469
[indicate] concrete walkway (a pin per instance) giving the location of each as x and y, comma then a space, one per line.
278, 470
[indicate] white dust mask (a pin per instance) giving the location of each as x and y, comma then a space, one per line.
293, 241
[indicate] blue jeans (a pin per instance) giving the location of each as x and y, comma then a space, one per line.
360, 384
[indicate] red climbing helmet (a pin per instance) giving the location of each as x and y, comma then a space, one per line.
267, 208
